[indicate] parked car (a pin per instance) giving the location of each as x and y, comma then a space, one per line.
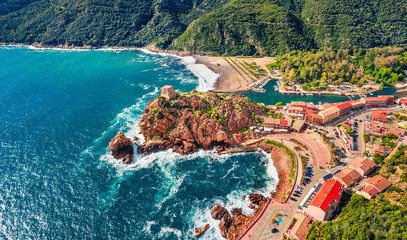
293, 199
274, 230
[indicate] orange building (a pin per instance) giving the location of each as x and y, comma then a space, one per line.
330, 114
363, 165
315, 118
344, 108
380, 101
375, 185
348, 177
379, 116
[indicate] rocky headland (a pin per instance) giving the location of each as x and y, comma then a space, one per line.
186, 122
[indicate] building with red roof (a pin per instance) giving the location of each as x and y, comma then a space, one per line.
380, 101
344, 108
403, 102
274, 124
326, 200
348, 177
300, 108
380, 116
375, 185
363, 165
315, 118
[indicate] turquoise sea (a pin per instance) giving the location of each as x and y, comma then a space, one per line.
58, 111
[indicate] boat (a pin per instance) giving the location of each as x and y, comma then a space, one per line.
309, 94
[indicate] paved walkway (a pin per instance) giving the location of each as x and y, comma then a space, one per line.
261, 229
264, 223
319, 151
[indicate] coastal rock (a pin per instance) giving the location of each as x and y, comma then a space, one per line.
256, 198
199, 232
127, 159
222, 214
122, 147
187, 122
238, 218
152, 146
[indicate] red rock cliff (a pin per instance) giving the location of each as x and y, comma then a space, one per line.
194, 120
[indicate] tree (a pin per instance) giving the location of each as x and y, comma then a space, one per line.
279, 104
378, 158
366, 137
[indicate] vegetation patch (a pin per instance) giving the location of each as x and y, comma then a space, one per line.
364, 219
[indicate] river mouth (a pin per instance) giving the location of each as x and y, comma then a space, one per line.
272, 96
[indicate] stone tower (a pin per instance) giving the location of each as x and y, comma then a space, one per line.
167, 92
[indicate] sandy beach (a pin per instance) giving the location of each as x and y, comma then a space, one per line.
234, 77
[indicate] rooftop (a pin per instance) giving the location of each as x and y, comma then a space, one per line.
379, 182
329, 111
379, 98
348, 176
298, 124
344, 105
315, 116
363, 163
379, 115
370, 190
298, 104
329, 191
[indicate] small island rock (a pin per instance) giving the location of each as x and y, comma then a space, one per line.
122, 148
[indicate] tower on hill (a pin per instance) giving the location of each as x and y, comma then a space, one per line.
167, 91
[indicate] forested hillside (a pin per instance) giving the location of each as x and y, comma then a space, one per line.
249, 27
233, 27
363, 219
318, 69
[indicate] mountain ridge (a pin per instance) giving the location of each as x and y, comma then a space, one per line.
229, 27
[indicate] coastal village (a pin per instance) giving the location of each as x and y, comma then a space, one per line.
323, 153
355, 133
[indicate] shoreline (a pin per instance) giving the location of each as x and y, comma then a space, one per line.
218, 75
207, 77
213, 76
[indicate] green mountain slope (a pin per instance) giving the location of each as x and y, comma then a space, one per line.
100, 22
219, 26
247, 27
365, 24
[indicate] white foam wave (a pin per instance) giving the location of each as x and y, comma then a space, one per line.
271, 169
206, 77
202, 216
55, 49
166, 232
147, 226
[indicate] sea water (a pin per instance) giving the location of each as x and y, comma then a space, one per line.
59, 110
